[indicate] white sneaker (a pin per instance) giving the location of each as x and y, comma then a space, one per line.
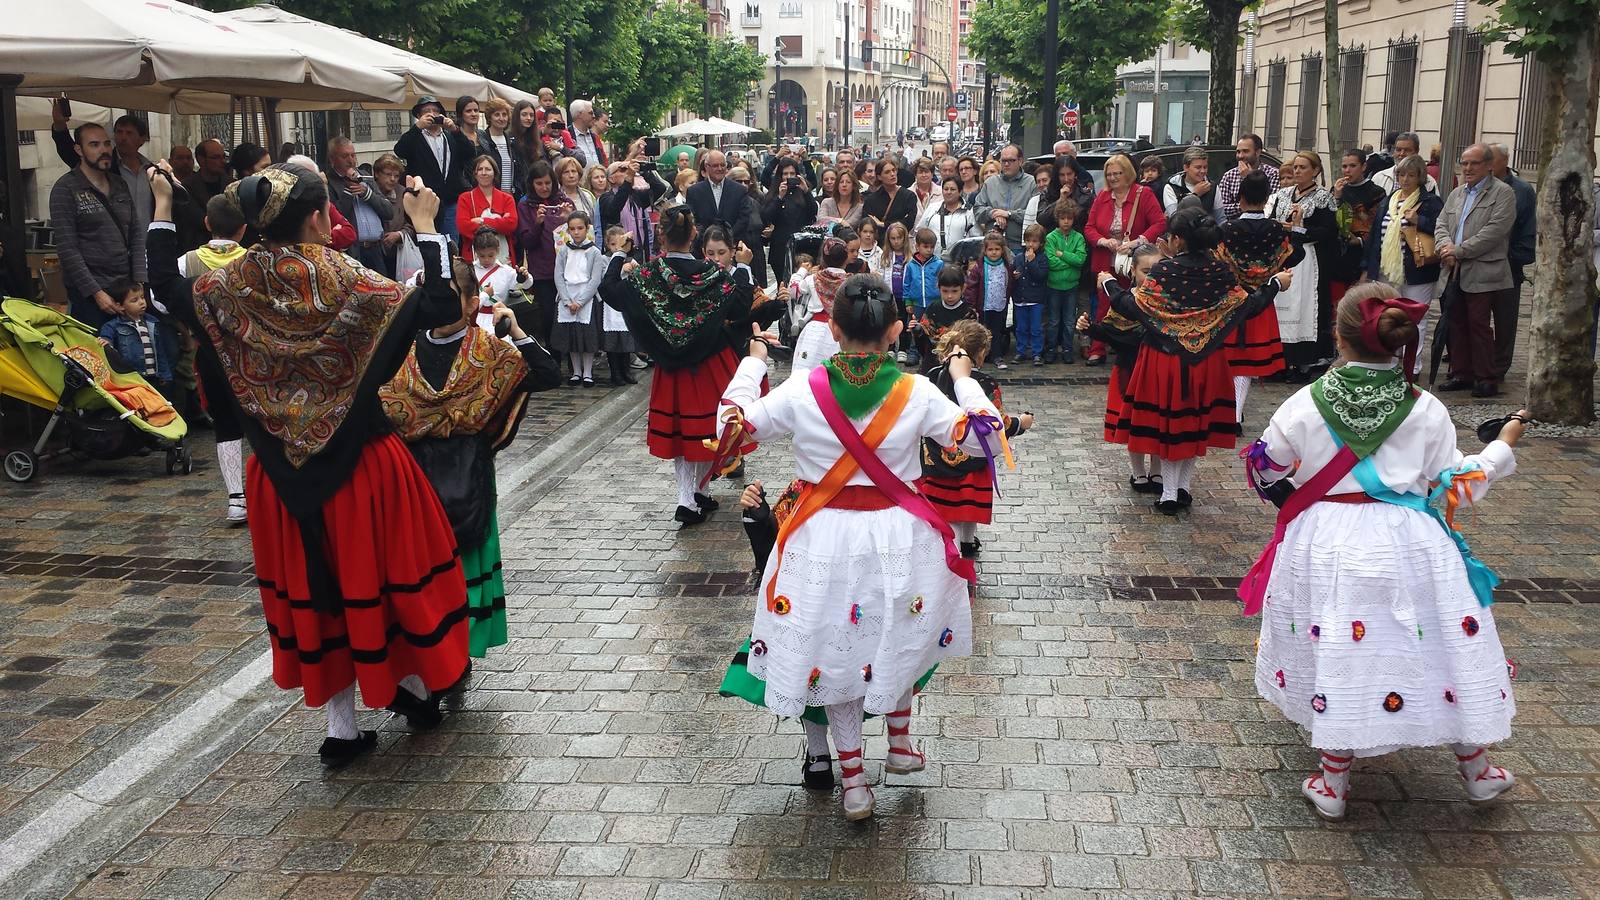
236, 511
1489, 785
900, 357
1328, 804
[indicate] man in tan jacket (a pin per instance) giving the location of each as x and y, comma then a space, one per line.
1473, 237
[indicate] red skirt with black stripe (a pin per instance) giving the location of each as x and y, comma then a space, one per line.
1177, 411
1116, 400
1255, 350
683, 407
392, 553
966, 499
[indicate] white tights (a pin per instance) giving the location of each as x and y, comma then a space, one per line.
1241, 390
1139, 464
689, 475
582, 363
966, 532
341, 707
1175, 476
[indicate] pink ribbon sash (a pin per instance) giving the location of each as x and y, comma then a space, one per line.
1253, 589
885, 480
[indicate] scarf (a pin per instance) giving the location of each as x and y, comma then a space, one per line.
296, 328
861, 381
1392, 253
827, 282
1254, 254
217, 254
1182, 303
484, 380
679, 307
1362, 405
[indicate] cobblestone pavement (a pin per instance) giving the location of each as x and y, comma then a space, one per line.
1105, 737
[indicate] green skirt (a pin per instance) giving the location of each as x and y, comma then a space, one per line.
486, 592
738, 682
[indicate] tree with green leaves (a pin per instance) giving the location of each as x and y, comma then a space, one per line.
1563, 35
1213, 26
1095, 38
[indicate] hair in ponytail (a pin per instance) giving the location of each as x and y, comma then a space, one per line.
677, 226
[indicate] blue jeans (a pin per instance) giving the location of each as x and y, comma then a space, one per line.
1029, 319
1061, 321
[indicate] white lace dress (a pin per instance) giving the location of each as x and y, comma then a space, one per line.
870, 602
1371, 636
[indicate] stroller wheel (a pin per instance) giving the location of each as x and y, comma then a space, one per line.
21, 465
185, 460
172, 462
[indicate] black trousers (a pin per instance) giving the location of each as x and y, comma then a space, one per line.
1507, 307
538, 316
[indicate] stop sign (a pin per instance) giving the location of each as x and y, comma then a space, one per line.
950, 114
1070, 118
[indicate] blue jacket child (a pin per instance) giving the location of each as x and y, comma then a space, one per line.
122, 332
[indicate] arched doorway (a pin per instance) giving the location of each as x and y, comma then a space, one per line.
788, 114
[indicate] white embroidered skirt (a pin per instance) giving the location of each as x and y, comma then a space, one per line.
813, 347
865, 605
1371, 636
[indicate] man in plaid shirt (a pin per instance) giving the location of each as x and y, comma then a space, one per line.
1248, 153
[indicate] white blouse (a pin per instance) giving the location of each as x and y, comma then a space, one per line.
792, 409
1408, 462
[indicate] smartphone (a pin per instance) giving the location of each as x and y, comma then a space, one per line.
652, 146
66, 106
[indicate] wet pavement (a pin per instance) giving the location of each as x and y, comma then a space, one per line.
1105, 737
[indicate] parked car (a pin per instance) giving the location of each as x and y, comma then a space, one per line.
1220, 158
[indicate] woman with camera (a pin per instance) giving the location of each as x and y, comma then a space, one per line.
789, 208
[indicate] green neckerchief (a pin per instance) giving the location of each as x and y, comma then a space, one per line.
1362, 405
861, 381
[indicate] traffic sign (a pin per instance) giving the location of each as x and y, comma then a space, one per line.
962, 100
950, 114
1069, 115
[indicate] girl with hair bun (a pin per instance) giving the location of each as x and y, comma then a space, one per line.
864, 591
816, 345
1178, 400
1376, 632
682, 311
359, 573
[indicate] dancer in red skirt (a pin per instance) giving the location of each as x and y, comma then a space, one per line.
961, 487
1124, 337
1255, 246
1179, 400
358, 570
683, 313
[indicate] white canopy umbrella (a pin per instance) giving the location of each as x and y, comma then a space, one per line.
33, 114
166, 55
422, 76
712, 127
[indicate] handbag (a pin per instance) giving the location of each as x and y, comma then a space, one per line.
1122, 263
1424, 249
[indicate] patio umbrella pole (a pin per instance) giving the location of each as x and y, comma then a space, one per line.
14, 233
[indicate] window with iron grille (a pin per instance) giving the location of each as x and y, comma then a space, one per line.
1531, 117
361, 124
1352, 76
1400, 92
393, 124
26, 137
1469, 68
1305, 130
1277, 78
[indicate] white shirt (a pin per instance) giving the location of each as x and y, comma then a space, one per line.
440, 147
1407, 462
584, 142
791, 409
716, 194
1385, 180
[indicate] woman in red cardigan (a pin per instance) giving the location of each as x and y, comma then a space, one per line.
487, 205
1123, 215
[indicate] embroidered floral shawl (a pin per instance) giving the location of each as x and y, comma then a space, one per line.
1181, 302
296, 329
484, 379
679, 307
861, 381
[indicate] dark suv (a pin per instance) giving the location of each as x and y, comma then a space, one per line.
1220, 158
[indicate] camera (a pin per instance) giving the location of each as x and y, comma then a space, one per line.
436, 119
652, 146
794, 185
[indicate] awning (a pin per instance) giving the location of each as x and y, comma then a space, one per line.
162, 54
422, 75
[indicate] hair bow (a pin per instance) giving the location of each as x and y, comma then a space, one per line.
1373, 308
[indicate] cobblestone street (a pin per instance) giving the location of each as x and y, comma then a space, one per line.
1105, 738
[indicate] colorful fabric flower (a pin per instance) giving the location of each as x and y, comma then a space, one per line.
1281, 680
1316, 632
1511, 668
758, 648
1357, 630
1449, 696
945, 637
1319, 703
781, 605
1392, 702
916, 605
855, 614
816, 676
1470, 626
866, 672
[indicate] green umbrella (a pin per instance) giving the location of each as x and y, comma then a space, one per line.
667, 162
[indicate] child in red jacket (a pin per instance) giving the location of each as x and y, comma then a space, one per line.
990, 281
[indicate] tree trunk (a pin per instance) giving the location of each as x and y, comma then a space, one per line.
1330, 76
1222, 17
1561, 368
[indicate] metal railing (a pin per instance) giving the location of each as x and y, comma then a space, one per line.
1399, 93
1305, 132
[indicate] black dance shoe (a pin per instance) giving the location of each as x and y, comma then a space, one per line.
706, 504
420, 714
688, 516
969, 549
337, 753
821, 780
1185, 499
1168, 507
